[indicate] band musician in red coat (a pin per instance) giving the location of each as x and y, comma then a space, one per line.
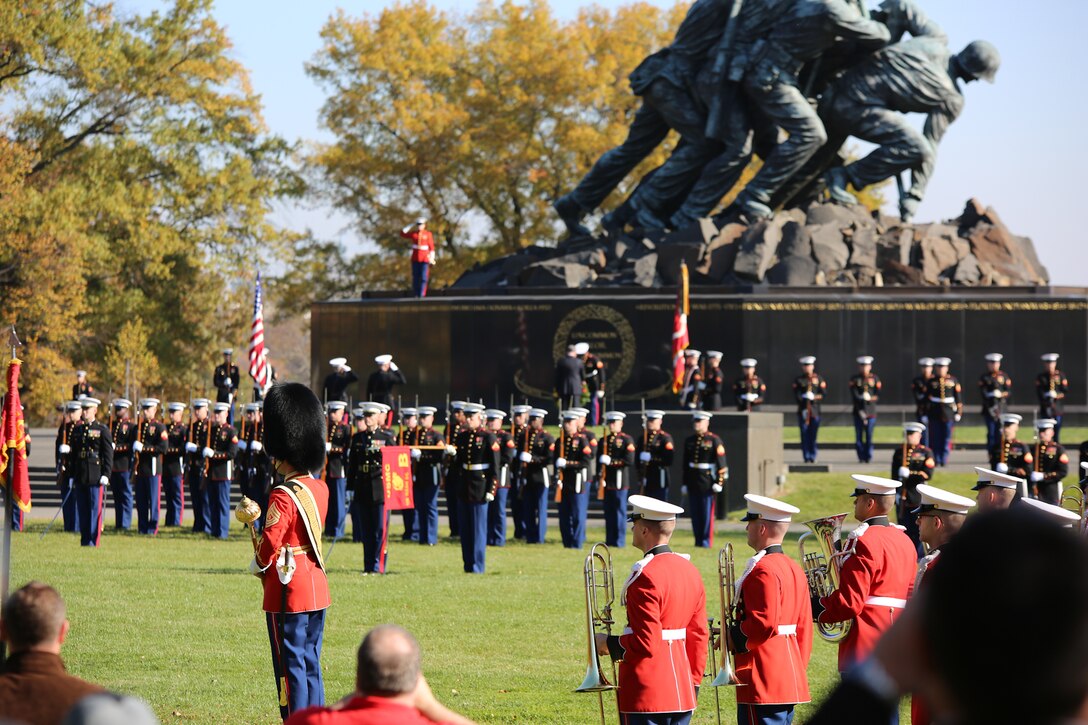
877, 577
664, 645
288, 556
772, 637
422, 255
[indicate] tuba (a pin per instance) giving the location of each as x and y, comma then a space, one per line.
822, 567
600, 595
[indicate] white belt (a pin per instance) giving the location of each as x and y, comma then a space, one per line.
701, 466
420, 247
946, 401
787, 629
476, 466
673, 634
892, 602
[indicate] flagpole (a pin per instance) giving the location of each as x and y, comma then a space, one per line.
9, 509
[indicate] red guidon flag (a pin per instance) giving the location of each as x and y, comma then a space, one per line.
13, 442
680, 340
397, 478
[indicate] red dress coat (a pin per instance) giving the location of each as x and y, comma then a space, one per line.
308, 590
422, 244
666, 638
919, 709
775, 614
883, 565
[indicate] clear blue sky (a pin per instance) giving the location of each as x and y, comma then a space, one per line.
1019, 145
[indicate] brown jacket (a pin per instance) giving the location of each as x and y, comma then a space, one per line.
36, 689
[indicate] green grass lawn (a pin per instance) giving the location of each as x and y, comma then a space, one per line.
893, 433
176, 619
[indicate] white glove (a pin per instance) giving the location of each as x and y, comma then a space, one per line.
645, 456
416, 453
346, 368
393, 366
717, 488
600, 393
104, 480
406, 229
904, 473
489, 497
751, 397
956, 417
256, 446
998, 394
1050, 394
605, 459
560, 462
451, 450
1002, 468
190, 448
209, 452
137, 446
65, 448
328, 446
1036, 476
866, 396
809, 395
683, 490
242, 445
701, 386
525, 457
254, 567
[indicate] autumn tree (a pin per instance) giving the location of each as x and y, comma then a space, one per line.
135, 182
475, 122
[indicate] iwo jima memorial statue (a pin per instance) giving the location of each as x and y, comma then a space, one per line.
792, 266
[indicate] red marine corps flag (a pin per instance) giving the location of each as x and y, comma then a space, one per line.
680, 340
397, 480
14, 473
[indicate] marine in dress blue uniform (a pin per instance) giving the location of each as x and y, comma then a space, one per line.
919, 392
1051, 386
220, 456
337, 382
705, 474
1051, 463
617, 461
519, 421
455, 424
536, 452
1011, 455
496, 510
148, 448
337, 442
996, 490
864, 393
655, 451
173, 465
944, 397
365, 480
714, 381
573, 454
122, 432
73, 416
478, 458
196, 466
92, 453
808, 390
749, 388
427, 474
912, 464
994, 386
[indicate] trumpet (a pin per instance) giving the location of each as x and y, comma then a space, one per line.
822, 567
720, 641
600, 595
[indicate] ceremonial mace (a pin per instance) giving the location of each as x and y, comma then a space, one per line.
247, 512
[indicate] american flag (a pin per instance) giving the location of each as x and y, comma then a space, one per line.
258, 368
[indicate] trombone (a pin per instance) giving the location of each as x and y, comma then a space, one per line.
721, 644
1075, 495
600, 595
822, 567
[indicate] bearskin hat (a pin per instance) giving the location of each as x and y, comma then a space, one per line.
294, 427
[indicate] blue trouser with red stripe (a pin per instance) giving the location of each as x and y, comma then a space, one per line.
421, 272
89, 500
147, 504
175, 500
298, 660
764, 714
121, 484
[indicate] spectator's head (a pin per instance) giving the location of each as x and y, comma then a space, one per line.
979, 606
34, 618
389, 662
294, 427
110, 708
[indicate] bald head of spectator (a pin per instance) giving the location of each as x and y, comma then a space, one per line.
389, 662
34, 619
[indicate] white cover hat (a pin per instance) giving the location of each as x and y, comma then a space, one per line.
926, 362
383, 359
1050, 357
808, 360
986, 477
1062, 516
1007, 418
748, 362
865, 360
337, 362
937, 499
652, 509
768, 509
1044, 423
995, 357
581, 348
874, 485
